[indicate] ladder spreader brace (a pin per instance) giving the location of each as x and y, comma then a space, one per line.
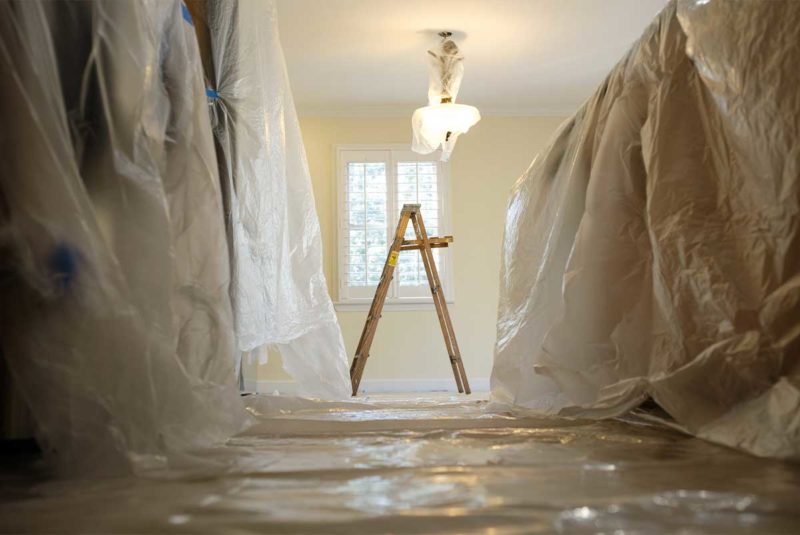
424, 244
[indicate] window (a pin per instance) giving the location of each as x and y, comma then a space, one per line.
374, 183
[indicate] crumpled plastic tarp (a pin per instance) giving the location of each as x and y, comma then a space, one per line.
115, 316
279, 292
654, 248
428, 464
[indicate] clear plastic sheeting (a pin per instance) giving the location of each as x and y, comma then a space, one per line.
445, 70
279, 293
115, 315
654, 248
436, 464
439, 124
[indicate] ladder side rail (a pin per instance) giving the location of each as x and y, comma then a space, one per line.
386, 277
374, 314
450, 331
438, 295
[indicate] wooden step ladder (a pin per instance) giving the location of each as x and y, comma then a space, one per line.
424, 244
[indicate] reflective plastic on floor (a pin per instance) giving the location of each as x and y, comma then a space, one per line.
434, 464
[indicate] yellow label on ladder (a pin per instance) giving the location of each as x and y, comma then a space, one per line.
393, 258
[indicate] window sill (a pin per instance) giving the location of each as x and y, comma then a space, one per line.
358, 306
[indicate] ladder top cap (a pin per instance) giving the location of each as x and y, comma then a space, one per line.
411, 207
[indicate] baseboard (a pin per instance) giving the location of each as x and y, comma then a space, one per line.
250, 385
373, 386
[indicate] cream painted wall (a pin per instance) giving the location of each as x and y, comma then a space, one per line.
486, 163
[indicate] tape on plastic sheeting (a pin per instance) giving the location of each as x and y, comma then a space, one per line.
186, 15
210, 93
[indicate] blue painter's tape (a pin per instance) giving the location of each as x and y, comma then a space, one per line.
63, 264
210, 93
186, 15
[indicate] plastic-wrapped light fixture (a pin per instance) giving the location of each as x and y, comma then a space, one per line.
439, 124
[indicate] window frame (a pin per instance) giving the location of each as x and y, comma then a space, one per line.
358, 298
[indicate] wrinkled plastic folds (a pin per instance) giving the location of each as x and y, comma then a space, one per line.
445, 72
439, 124
432, 464
115, 317
279, 293
654, 248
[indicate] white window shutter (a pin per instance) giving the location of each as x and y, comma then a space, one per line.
374, 184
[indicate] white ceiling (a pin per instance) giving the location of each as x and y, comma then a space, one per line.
523, 57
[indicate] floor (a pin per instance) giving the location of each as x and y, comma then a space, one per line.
432, 464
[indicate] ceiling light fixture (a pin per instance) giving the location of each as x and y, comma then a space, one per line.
439, 124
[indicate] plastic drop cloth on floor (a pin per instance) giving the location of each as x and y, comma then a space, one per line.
115, 318
280, 297
654, 248
430, 464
